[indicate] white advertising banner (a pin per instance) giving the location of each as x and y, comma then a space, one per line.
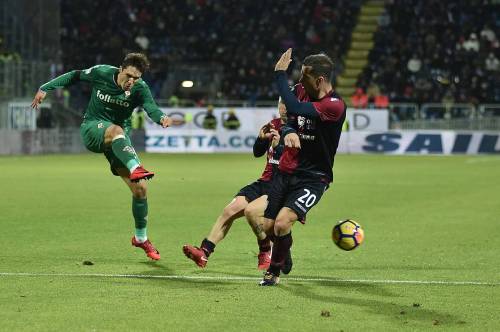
199, 140
420, 142
367, 120
191, 137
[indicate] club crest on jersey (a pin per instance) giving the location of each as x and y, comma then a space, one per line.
306, 123
107, 98
301, 121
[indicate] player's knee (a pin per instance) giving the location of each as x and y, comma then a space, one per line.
114, 131
282, 225
231, 210
268, 226
140, 190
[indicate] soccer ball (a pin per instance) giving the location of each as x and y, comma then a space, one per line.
347, 234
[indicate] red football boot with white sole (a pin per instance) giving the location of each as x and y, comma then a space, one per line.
140, 173
148, 248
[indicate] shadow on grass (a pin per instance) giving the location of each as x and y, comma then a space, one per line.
398, 312
371, 288
332, 292
157, 266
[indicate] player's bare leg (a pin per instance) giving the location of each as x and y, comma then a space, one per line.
231, 212
281, 248
115, 138
254, 214
140, 212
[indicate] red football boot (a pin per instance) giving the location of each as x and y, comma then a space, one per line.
148, 247
264, 260
196, 254
140, 173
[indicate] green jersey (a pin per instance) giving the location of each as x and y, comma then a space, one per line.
108, 101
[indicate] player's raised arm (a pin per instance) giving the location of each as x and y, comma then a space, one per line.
293, 106
61, 81
316, 74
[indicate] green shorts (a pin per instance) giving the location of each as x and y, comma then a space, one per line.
92, 133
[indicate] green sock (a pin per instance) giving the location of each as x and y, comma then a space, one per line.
123, 150
140, 212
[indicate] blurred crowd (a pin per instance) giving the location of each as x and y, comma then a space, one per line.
432, 51
7, 55
436, 51
246, 37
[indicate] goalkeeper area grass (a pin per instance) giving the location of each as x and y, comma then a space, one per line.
429, 260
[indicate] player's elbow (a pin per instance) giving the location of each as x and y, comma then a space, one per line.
258, 153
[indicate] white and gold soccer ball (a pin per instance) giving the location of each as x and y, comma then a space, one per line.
348, 234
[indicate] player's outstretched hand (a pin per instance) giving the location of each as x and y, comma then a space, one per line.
284, 61
166, 121
39, 97
292, 140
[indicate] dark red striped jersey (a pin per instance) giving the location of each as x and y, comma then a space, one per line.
319, 136
273, 154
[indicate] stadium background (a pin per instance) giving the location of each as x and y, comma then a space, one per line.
426, 72
431, 65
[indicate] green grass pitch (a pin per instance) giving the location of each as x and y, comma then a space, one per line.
427, 219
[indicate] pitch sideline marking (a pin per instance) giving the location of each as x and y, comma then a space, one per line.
233, 278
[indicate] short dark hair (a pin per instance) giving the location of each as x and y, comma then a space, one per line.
321, 65
138, 60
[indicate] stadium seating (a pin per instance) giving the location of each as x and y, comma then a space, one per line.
436, 51
433, 52
246, 37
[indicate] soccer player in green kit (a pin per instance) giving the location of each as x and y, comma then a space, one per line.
116, 92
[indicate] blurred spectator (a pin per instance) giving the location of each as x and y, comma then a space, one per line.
359, 99
142, 41
231, 122
414, 64
472, 44
210, 121
173, 101
372, 92
381, 101
138, 119
492, 63
488, 34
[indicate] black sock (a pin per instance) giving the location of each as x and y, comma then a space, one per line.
281, 246
264, 245
207, 246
